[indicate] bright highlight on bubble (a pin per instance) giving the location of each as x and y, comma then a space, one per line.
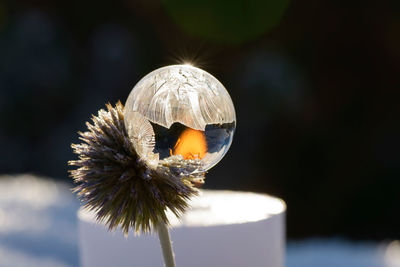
180, 113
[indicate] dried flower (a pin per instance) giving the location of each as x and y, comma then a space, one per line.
114, 181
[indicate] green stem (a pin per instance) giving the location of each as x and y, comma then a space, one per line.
166, 245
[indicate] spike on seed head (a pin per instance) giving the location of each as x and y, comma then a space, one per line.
115, 183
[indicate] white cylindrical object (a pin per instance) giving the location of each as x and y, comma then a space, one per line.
222, 228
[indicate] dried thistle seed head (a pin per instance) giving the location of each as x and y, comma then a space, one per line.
115, 183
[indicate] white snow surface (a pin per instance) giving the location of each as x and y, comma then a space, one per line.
38, 228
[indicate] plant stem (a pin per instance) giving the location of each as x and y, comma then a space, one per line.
166, 245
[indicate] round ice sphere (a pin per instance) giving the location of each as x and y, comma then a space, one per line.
180, 113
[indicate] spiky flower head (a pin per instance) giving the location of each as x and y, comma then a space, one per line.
113, 180
136, 162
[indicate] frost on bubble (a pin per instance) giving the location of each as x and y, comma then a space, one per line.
176, 94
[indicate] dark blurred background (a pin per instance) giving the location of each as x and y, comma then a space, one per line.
315, 85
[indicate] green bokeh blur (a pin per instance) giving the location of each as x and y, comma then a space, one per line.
221, 21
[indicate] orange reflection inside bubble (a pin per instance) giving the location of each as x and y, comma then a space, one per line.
191, 144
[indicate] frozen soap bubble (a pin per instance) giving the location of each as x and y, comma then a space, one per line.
180, 113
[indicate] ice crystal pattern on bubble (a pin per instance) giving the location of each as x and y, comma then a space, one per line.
183, 95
